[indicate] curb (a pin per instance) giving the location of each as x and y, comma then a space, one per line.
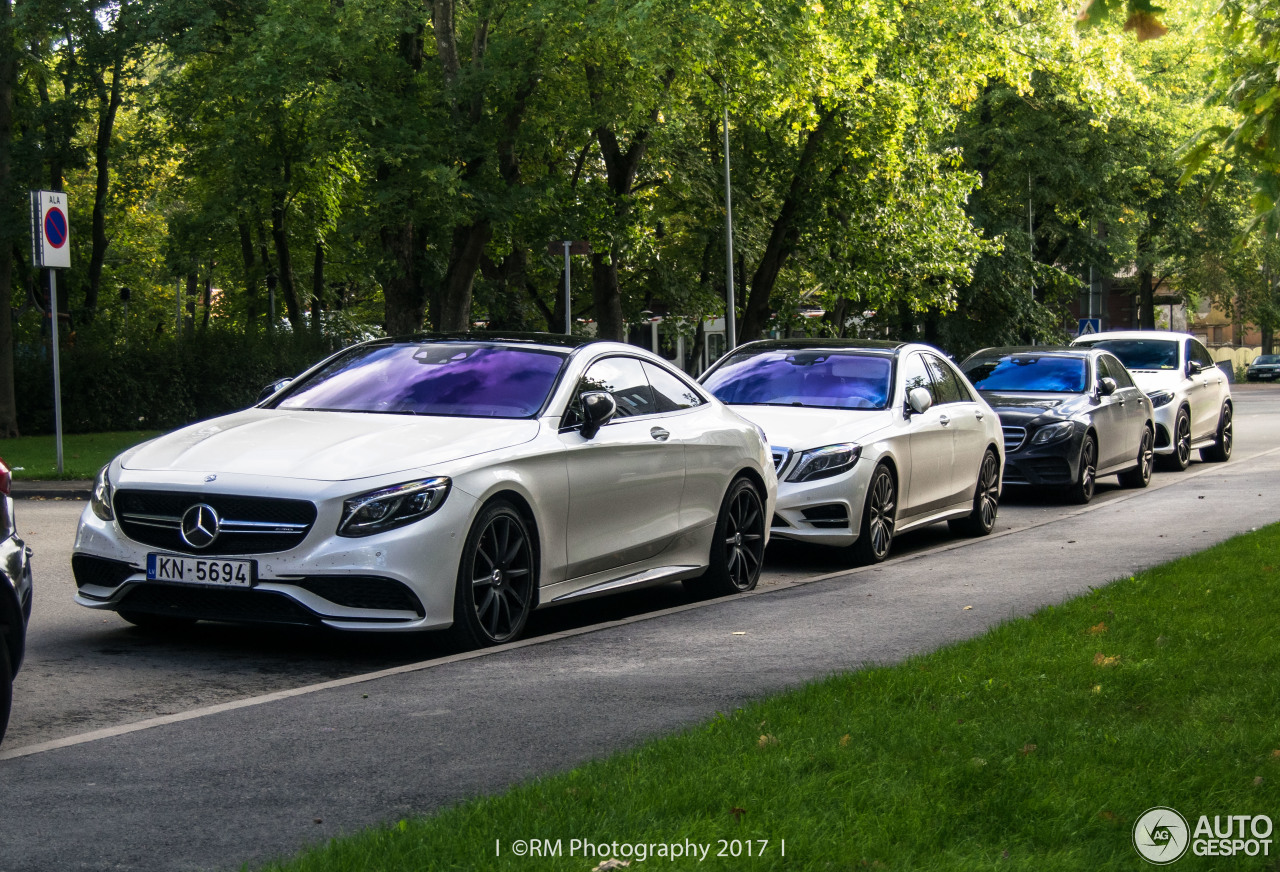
51, 490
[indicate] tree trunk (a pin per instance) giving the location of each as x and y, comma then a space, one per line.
252, 300
8, 75
272, 281
101, 156
607, 297
284, 261
405, 298
317, 289
454, 313
782, 237
1146, 300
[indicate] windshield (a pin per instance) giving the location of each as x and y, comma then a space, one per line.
433, 378
824, 379
1267, 358
1029, 372
1141, 353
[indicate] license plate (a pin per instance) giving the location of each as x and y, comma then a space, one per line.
201, 570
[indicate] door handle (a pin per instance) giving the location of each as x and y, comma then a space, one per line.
944, 420
659, 434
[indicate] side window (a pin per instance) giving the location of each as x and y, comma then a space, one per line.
946, 386
1199, 353
621, 376
1104, 371
669, 392
1117, 371
914, 375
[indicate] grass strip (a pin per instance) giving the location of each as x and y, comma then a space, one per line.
1035, 746
35, 458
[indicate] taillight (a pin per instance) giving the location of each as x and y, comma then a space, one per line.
6, 477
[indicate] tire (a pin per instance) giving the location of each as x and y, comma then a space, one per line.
497, 579
1087, 478
1140, 475
879, 518
148, 621
986, 500
1220, 450
1180, 459
6, 687
737, 547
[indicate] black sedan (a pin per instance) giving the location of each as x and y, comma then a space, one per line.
15, 598
1069, 415
1265, 367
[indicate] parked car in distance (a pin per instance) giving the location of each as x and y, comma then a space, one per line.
434, 483
1069, 415
15, 597
1264, 367
1191, 395
870, 439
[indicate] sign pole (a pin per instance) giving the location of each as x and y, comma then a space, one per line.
57, 377
568, 308
730, 309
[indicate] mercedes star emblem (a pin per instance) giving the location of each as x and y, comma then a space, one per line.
200, 525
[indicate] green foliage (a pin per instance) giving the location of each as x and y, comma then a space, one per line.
139, 381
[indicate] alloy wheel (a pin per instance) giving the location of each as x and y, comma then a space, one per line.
501, 572
744, 539
882, 507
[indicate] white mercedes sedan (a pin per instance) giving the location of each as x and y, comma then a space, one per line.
870, 439
447, 482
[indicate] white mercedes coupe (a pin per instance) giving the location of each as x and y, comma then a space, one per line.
444, 482
870, 439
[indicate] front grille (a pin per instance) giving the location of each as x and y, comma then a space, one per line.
249, 525
1014, 437
214, 604
827, 517
361, 592
99, 571
780, 457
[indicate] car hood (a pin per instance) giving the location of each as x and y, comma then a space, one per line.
1021, 409
324, 446
1150, 380
798, 428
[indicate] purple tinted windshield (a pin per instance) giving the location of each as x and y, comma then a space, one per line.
800, 377
433, 378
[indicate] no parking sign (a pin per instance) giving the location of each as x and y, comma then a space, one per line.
50, 230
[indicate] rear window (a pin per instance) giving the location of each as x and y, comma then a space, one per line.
1029, 372
822, 379
432, 378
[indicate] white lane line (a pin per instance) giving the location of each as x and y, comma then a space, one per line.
264, 699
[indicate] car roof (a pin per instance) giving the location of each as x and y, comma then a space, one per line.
1134, 334
1054, 350
553, 340
877, 345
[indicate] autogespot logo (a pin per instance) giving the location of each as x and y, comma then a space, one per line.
1161, 835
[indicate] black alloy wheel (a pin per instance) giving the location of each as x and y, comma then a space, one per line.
1180, 459
496, 579
1220, 450
1140, 475
986, 500
1082, 491
879, 518
737, 549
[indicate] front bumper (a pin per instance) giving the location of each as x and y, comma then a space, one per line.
825, 512
1053, 465
400, 580
1165, 417
1268, 374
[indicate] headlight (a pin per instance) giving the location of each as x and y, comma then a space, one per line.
1053, 433
392, 507
825, 462
1160, 398
100, 502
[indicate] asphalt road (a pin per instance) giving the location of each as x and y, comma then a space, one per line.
135, 751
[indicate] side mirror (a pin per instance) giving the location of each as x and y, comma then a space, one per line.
272, 388
598, 407
1194, 367
919, 400
1107, 386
